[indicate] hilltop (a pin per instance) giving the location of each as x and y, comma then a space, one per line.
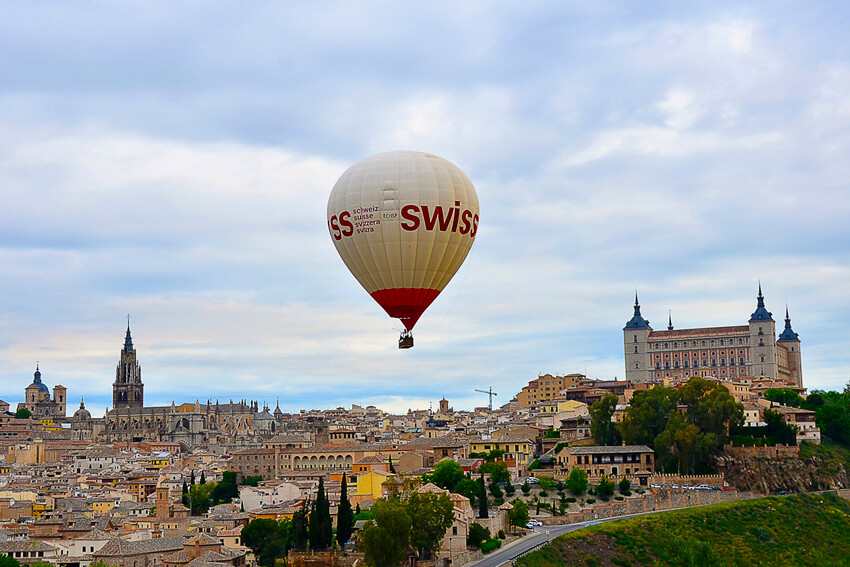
805, 529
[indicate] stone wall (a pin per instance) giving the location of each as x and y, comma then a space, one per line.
778, 452
657, 500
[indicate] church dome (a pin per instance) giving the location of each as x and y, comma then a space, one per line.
36, 381
82, 414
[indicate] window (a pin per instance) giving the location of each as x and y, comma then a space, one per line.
658, 366
762, 358
635, 338
454, 530
721, 342
637, 365
712, 342
666, 345
635, 349
722, 362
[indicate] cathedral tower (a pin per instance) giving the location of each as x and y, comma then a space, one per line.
128, 390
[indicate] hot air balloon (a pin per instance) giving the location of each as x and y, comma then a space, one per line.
403, 222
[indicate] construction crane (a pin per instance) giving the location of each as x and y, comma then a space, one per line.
490, 393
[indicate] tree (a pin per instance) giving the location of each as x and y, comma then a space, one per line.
625, 486
6, 561
777, 430
200, 498
192, 478
344, 516
252, 480
431, 516
601, 427
321, 528
469, 488
447, 474
605, 488
577, 481
385, 540
518, 514
482, 499
646, 415
498, 471
23, 413
392, 468
784, 396
259, 535
203, 478
495, 490
552, 434
525, 487
226, 490
300, 527
477, 534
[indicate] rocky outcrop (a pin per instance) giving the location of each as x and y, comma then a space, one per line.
768, 470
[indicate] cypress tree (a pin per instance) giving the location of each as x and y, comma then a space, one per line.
185, 497
203, 480
321, 528
482, 498
192, 478
344, 517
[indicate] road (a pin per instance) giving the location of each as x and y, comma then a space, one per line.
543, 534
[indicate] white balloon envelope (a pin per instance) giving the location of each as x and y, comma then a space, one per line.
403, 222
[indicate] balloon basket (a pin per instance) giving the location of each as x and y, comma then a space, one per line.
405, 340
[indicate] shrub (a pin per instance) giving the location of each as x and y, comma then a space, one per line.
618, 498
569, 499
477, 535
490, 545
543, 494
624, 485
501, 534
591, 500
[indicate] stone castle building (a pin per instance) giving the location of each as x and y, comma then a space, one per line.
38, 401
724, 353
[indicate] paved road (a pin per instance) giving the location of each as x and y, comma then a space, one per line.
543, 534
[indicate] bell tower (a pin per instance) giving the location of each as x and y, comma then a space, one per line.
128, 390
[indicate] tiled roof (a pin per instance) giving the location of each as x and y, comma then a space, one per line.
119, 547
613, 449
737, 330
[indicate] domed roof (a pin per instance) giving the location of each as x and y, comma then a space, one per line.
36, 381
82, 414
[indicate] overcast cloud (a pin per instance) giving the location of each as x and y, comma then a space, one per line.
173, 161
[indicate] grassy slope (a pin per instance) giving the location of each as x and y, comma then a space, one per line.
806, 529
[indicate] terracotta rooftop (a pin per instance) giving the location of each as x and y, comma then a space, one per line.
738, 330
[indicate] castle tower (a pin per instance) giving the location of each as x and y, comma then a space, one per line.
763, 341
791, 341
635, 343
128, 390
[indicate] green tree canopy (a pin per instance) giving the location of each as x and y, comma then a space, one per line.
385, 540
447, 473
344, 515
602, 428
483, 512
469, 488
431, 516
300, 527
23, 413
784, 396
518, 515
6, 561
577, 481
321, 527
477, 534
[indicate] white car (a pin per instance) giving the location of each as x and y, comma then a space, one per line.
532, 480
531, 524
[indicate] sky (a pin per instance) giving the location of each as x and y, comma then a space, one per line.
173, 161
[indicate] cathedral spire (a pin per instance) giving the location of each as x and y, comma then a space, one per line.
128, 340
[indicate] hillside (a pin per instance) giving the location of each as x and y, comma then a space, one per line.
805, 529
819, 467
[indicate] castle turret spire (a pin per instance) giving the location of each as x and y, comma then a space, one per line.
637, 321
669, 320
761, 313
788, 333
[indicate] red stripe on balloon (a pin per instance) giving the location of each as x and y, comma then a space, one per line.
405, 303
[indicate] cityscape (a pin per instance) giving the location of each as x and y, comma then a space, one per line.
434, 284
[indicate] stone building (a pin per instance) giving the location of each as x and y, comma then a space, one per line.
723, 353
38, 401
